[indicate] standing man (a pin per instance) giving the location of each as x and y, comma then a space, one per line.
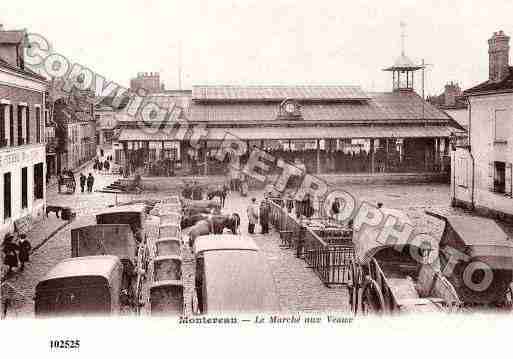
60, 179
90, 182
265, 210
82, 182
252, 216
187, 191
24, 251
9, 247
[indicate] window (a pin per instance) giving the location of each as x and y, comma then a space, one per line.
20, 125
2, 126
462, 172
500, 174
500, 126
7, 195
11, 125
38, 124
27, 125
38, 180
24, 197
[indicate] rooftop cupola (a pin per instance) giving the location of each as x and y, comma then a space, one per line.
403, 69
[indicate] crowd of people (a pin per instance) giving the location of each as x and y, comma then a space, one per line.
102, 166
67, 177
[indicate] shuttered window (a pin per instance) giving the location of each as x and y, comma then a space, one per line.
462, 172
11, 125
501, 125
20, 125
27, 125
38, 125
2, 126
499, 176
491, 176
24, 185
509, 179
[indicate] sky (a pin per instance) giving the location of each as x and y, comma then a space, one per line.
280, 42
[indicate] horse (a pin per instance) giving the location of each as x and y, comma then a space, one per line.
201, 228
214, 225
190, 221
192, 207
231, 222
221, 193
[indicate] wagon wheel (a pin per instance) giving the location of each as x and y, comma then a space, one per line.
355, 287
372, 298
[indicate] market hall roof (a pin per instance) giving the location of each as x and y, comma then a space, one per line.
388, 107
278, 93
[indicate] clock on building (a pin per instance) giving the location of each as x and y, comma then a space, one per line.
290, 107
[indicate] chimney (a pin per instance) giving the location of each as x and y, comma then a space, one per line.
452, 90
498, 52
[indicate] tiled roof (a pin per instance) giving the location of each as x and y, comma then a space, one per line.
490, 86
299, 132
26, 71
12, 36
277, 93
177, 106
388, 106
439, 101
403, 62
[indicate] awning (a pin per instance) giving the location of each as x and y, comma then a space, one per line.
293, 133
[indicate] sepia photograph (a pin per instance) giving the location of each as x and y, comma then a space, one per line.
170, 167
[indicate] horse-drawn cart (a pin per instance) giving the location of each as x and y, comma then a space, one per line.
395, 276
483, 272
69, 183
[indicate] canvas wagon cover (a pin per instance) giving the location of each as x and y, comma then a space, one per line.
366, 243
101, 239
239, 281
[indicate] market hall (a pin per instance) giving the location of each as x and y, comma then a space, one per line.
331, 129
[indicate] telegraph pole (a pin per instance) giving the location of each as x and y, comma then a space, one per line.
424, 65
180, 65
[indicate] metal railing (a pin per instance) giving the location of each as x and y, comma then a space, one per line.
328, 257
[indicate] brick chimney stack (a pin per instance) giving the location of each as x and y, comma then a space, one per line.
498, 52
452, 90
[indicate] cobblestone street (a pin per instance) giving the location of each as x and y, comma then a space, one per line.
299, 287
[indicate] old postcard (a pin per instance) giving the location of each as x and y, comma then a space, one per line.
173, 174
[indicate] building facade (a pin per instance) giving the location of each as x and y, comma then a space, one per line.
22, 136
106, 122
452, 102
75, 129
482, 171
